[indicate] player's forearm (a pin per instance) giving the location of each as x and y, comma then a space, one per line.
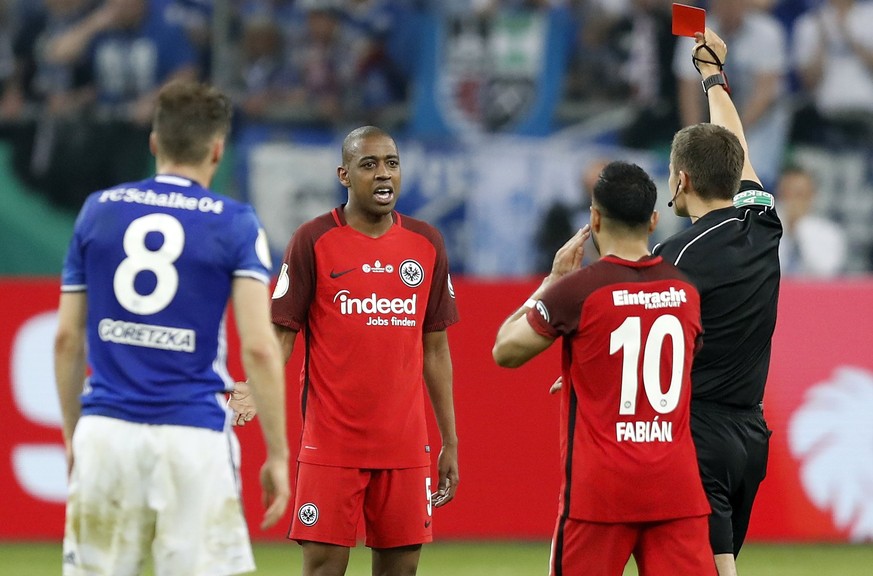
503, 351
442, 400
265, 372
69, 359
262, 361
438, 379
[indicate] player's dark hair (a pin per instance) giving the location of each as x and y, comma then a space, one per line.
712, 156
625, 194
351, 140
188, 115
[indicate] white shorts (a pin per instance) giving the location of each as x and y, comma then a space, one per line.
171, 491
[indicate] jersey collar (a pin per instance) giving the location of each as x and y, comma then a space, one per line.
644, 262
339, 215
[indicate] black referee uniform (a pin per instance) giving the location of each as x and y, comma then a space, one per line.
732, 256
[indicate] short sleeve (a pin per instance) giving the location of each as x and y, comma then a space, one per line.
253, 251
73, 278
558, 311
441, 308
295, 286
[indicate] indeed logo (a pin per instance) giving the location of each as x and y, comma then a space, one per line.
373, 304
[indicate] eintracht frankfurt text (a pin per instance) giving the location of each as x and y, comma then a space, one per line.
671, 298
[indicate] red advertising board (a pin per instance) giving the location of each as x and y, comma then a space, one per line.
818, 403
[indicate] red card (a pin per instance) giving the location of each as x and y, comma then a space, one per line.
687, 20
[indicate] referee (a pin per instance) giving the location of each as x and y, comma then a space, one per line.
731, 253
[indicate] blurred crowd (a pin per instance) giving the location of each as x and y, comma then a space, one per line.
78, 76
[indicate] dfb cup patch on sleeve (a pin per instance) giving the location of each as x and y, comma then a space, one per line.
283, 283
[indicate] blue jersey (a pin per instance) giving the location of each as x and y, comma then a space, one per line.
157, 259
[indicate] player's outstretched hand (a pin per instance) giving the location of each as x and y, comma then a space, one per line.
447, 466
275, 490
242, 403
556, 387
569, 256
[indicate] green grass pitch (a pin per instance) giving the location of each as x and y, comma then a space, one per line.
508, 558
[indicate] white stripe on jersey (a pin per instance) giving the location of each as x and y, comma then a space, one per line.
252, 274
167, 179
74, 288
705, 232
219, 365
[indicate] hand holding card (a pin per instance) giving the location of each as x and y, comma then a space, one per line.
688, 20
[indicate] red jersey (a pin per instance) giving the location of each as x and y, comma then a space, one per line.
362, 305
630, 333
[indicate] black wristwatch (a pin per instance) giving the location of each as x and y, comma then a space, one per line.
711, 81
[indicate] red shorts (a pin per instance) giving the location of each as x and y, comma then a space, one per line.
670, 548
329, 500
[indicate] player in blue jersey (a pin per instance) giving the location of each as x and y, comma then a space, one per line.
146, 281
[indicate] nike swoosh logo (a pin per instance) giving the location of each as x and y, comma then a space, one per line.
338, 274
427, 524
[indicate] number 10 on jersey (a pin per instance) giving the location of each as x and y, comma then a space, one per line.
628, 339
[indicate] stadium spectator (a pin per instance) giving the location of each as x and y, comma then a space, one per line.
623, 61
10, 97
757, 83
195, 18
591, 78
369, 290
561, 219
264, 77
381, 80
132, 51
281, 10
730, 252
44, 103
631, 484
154, 463
812, 246
647, 43
833, 53
337, 69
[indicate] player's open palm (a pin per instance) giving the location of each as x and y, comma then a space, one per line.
275, 491
569, 256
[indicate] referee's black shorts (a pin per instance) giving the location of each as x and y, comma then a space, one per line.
732, 449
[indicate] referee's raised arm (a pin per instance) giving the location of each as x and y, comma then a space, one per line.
709, 54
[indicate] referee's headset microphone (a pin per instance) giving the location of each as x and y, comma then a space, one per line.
676, 193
